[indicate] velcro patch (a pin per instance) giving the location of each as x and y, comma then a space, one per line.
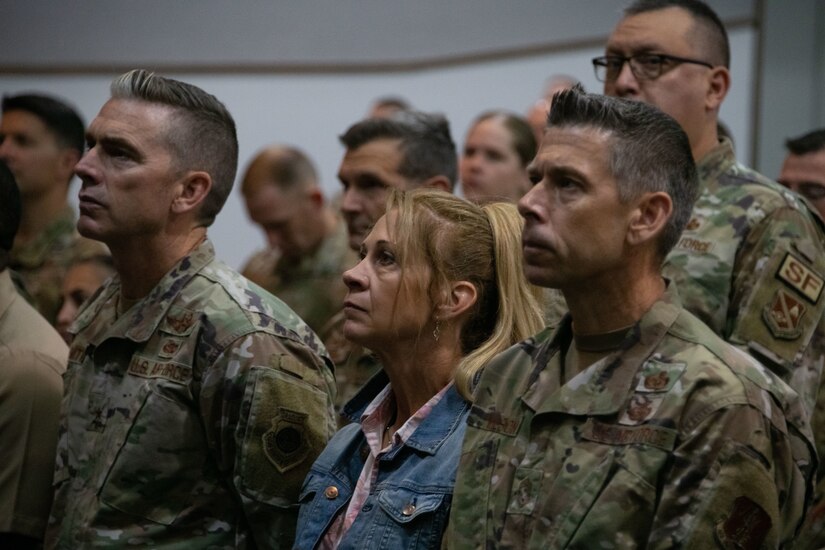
492, 421
801, 278
149, 368
612, 434
695, 245
783, 315
659, 376
285, 444
746, 527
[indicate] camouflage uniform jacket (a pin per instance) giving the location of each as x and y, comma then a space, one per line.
42, 263
751, 265
190, 420
675, 440
314, 286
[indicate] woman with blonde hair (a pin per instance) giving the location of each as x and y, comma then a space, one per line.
438, 292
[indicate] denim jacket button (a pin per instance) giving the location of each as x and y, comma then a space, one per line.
408, 509
331, 492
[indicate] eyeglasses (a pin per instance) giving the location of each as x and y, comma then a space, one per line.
644, 66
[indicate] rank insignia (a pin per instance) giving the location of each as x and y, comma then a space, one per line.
693, 224
783, 315
285, 444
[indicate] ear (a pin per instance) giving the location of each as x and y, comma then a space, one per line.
718, 86
461, 297
649, 218
316, 197
192, 190
68, 159
440, 183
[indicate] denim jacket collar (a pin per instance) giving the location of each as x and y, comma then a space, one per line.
432, 432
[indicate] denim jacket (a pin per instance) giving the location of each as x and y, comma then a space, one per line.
409, 503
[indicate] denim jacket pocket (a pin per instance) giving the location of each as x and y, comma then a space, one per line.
418, 517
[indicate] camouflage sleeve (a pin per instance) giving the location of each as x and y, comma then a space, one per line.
267, 409
737, 480
776, 309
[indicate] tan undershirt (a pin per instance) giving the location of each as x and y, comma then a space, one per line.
586, 349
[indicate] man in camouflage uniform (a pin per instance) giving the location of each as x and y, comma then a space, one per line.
751, 262
41, 139
283, 197
631, 425
407, 150
195, 402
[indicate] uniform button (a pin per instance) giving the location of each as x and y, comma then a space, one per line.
331, 492
408, 509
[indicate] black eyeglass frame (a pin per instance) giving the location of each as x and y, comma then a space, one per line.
600, 64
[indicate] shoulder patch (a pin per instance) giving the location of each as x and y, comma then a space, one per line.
284, 443
783, 315
801, 278
745, 527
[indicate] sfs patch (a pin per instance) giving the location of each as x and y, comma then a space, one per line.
783, 315
801, 278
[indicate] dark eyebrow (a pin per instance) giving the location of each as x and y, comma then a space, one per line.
562, 171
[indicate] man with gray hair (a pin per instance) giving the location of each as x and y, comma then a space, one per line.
631, 423
194, 401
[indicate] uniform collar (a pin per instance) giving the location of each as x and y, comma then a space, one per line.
716, 162
35, 253
602, 388
142, 320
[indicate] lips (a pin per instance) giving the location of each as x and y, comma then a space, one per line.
88, 200
352, 306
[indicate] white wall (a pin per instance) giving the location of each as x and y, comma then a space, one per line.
310, 111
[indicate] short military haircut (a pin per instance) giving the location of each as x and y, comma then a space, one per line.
425, 143
713, 36
649, 151
60, 118
812, 142
288, 167
10, 212
201, 134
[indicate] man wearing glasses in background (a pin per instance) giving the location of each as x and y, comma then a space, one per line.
751, 262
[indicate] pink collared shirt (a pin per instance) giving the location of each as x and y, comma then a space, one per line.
374, 421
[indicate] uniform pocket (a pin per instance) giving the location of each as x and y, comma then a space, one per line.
159, 463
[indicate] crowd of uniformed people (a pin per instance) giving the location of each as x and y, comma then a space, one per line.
611, 334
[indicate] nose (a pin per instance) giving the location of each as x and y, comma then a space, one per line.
5, 149
83, 168
625, 84
349, 201
354, 278
65, 316
527, 204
